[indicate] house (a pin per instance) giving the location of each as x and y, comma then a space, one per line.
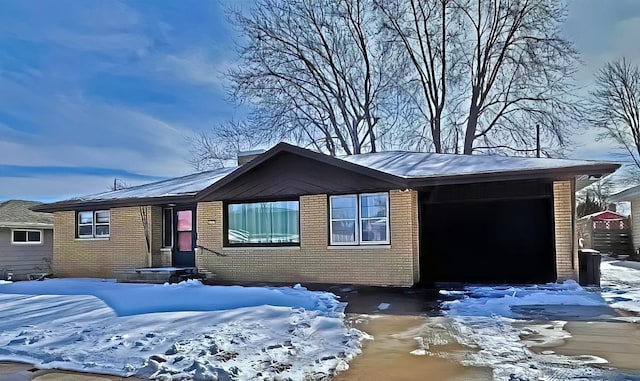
607, 232
633, 196
294, 215
26, 240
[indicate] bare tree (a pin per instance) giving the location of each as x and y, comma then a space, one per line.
118, 184
218, 147
319, 73
423, 29
519, 68
615, 105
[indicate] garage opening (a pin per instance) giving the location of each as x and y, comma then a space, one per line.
487, 233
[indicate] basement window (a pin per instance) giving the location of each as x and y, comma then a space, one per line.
93, 224
26, 237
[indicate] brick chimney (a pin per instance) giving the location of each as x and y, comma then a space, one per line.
246, 156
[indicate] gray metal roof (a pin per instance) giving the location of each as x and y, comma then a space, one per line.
17, 214
626, 195
413, 165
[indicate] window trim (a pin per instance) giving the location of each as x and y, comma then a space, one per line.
358, 236
94, 224
225, 223
164, 227
356, 219
27, 242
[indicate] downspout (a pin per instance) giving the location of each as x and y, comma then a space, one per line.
573, 224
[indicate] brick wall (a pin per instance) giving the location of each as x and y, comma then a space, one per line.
565, 237
124, 249
314, 260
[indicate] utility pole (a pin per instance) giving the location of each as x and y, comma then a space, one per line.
537, 139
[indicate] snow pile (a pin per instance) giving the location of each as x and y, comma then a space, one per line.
500, 300
190, 295
184, 331
621, 284
484, 319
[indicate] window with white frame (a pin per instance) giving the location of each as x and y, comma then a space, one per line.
26, 237
359, 219
93, 224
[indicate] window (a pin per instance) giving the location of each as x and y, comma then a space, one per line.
359, 219
93, 224
32, 237
167, 227
264, 223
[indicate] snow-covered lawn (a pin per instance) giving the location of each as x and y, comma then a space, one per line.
187, 330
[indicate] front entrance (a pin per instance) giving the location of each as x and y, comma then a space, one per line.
183, 254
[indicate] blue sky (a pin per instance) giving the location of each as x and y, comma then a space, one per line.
91, 90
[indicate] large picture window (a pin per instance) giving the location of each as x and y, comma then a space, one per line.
28, 237
359, 219
264, 223
93, 224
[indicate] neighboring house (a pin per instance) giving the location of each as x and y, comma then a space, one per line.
26, 240
606, 231
294, 215
632, 195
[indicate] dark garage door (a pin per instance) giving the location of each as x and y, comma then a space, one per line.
488, 241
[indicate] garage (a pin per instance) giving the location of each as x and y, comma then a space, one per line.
501, 232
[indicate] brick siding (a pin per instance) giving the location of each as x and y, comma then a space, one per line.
565, 237
314, 260
124, 249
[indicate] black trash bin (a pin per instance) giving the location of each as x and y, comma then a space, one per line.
589, 267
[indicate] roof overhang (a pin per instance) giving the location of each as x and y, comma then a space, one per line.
553, 174
114, 203
25, 225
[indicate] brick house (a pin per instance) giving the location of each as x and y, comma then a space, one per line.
294, 215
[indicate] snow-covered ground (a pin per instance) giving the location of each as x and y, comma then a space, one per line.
492, 321
183, 331
621, 283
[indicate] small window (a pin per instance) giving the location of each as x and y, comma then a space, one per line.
167, 227
264, 223
20, 236
93, 224
359, 219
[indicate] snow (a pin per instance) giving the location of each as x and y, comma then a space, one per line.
494, 322
423, 165
500, 300
189, 184
621, 283
184, 331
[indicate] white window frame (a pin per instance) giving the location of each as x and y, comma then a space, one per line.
357, 221
93, 224
386, 241
13, 242
358, 239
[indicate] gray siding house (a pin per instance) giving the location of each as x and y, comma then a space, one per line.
26, 240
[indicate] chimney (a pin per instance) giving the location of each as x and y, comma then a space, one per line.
611, 207
246, 156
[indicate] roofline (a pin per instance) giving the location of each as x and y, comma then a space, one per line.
626, 195
114, 203
26, 225
556, 174
320, 157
